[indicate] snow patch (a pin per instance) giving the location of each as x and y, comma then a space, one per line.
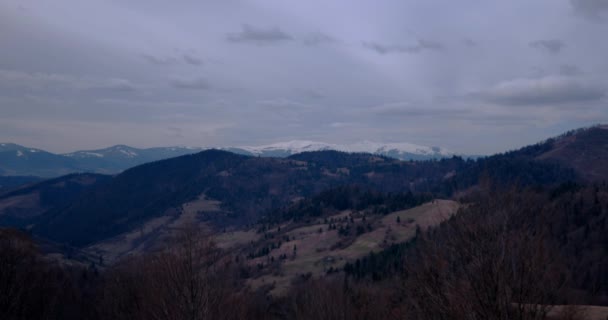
128, 153
399, 149
92, 154
85, 154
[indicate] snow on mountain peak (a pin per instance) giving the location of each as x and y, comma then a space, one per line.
128, 153
400, 149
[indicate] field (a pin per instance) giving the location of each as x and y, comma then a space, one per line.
313, 249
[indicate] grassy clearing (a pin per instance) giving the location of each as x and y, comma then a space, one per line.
314, 253
234, 239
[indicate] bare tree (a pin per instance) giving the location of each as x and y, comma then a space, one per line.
485, 265
186, 278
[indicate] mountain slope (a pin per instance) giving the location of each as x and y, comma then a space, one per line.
9, 182
247, 187
19, 206
584, 150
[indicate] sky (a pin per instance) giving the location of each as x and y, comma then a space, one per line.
474, 76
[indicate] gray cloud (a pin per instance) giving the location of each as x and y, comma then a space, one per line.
116, 84
52, 81
592, 9
259, 36
469, 42
569, 70
551, 46
190, 83
339, 125
406, 109
282, 104
175, 132
186, 58
192, 60
550, 90
159, 60
422, 45
318, 38
312, 93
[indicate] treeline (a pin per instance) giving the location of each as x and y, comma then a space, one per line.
504, 256
191, 280
568, 224
349, 197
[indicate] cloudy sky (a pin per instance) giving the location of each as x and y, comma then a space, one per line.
474, 76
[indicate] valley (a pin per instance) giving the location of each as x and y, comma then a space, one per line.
322, 217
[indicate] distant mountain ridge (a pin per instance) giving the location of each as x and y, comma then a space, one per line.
24, 161
17, 160
246, 189
401, 150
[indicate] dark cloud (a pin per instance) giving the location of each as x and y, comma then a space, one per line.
259, 36
318, 38
190, 83
192, 60
422, 45
116, 85
569, 70
159, 60
186, 58
313, 93
551, 90
553, 46
469, 42
592, 9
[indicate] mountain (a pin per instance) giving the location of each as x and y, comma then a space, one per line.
401, 151
120, 157
16, 160
20, 160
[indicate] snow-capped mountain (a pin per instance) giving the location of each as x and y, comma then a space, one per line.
20, 160
122, 152
121, 157
119, 151
403, 151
